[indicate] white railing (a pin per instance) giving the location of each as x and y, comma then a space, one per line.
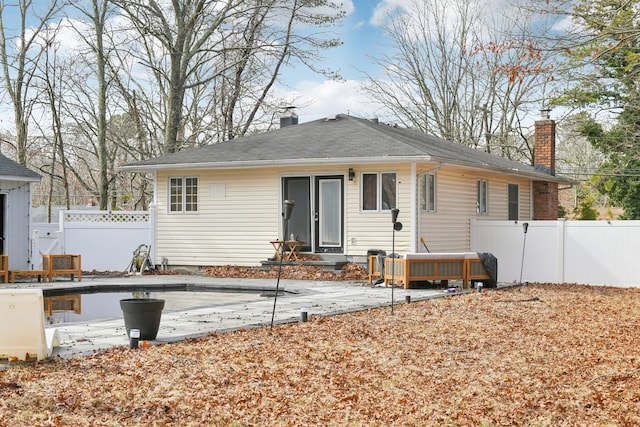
586, 252
105, 239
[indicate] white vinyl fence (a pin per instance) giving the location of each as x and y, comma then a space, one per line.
105, 239
585, 252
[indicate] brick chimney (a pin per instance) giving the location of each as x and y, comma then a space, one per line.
545, 194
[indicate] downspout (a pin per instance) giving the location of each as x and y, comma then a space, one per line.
153, 219
531, 201
415, 238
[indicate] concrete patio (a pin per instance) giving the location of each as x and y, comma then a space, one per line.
242, 303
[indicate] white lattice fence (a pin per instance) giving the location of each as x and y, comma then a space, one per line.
105, 216
105, 239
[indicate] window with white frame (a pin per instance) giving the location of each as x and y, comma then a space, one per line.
183, 194
429, 192
482, 206
379, 191
513, 200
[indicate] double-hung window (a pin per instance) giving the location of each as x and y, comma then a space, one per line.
429, 192
379, 191
482, 206
514, 205
183, 194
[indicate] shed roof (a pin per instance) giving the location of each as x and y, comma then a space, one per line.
13, 171
338, 139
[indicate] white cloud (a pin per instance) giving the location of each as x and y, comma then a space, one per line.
566, 24
316, 100
386, 7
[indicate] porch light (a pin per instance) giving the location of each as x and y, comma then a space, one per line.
352, 174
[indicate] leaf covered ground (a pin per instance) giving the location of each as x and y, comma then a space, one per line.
544, 355
349, 271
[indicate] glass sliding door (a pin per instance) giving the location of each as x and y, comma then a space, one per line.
298, 189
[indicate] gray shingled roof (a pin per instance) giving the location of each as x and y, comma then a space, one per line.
336, 140
13, 171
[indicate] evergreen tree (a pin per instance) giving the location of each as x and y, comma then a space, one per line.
609, 55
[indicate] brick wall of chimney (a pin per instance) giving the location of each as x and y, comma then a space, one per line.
545, 194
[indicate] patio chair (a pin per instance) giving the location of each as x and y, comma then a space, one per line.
23, 335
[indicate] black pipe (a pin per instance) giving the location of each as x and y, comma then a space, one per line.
286, 214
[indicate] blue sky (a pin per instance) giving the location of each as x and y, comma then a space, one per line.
315, 96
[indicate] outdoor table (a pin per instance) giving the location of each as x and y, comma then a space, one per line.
291, 249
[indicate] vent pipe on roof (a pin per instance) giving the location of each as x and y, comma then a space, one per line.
545, 113
374, 119
289, 117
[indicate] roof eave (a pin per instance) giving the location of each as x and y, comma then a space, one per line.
20, 178
270, 163
535, 176
348, 160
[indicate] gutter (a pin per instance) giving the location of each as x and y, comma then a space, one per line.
19, 178
239, 164
235, 164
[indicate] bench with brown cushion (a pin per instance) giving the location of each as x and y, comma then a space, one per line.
62, 265
464, 266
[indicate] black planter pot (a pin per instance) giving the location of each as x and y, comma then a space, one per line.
143, 314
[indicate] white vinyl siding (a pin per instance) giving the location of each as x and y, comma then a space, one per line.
373, 229
18, 216
447, 230
239, 213
234, 226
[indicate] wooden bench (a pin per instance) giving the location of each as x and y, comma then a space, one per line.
464, 266
62, 265
42, 274
72, 303
4, 268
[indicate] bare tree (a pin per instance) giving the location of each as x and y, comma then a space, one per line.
268, 37
183, 30
19, 54
52, 76
96, 14
170, 76
455, 73
213, 64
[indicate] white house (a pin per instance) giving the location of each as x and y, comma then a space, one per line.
223, 203
15, 212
